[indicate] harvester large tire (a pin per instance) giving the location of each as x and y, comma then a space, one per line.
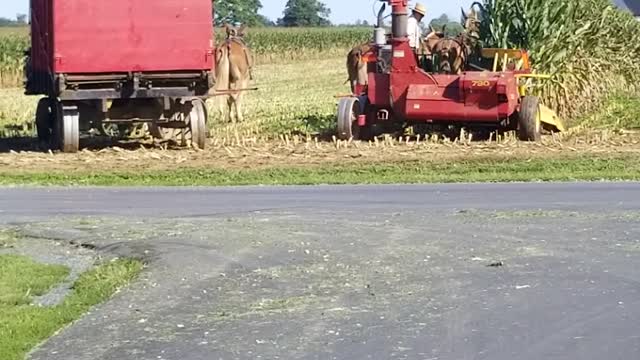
67, 128
348, 128
44, 121
529, 125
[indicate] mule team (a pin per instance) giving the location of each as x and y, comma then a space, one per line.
452, 53
234, 61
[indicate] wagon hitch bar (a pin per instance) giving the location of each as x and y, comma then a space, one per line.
231, 91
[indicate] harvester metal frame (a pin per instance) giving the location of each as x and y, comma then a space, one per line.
399, 93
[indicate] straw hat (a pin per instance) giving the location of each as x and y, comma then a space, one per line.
420, 9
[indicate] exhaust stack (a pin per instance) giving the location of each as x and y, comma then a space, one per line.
379, 34
381, 16
399, 17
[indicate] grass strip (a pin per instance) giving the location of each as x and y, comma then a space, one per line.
483, 169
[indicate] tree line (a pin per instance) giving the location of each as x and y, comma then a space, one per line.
297, 13
20, 20
301, 13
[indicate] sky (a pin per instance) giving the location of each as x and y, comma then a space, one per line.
342, 11
9, 8
348, 11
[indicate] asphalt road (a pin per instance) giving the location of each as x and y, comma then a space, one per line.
379, 272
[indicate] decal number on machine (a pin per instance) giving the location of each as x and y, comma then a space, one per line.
480, 83
398, 54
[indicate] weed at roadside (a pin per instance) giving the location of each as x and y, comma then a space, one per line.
23, 326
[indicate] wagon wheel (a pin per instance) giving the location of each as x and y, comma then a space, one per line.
66, 128
529, 124
348, 112
44, 121
121, 131
117, 131
193, 131
138, 131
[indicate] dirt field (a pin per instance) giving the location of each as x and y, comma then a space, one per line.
289, 100
288, 123
297, 151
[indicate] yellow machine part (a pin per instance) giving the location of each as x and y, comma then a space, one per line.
501, 57
550, 120
491, 52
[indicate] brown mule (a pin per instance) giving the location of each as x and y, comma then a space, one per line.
471, 21
452, 56
357, 67
234, 65
454, 53
430, 41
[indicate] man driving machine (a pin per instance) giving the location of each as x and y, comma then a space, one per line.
413, 26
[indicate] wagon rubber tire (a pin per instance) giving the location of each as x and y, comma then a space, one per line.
66, 128
529, 125
198, 124
44, 121
348, 112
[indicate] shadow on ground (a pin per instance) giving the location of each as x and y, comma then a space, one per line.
31, 144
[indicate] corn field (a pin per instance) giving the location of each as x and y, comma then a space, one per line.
588, 47
12, 46
285, 44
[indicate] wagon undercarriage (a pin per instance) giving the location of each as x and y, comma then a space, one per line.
119, 106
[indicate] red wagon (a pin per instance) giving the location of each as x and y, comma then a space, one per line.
106, 64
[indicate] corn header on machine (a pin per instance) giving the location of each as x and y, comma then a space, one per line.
399, 93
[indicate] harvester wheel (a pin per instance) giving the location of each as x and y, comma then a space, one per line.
44, 121
66, 130
348, 112
529, 125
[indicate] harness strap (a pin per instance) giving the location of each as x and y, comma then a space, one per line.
241, 42
465, 51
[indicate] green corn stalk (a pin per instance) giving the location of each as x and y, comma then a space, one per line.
12, 45
286, 44
583, 44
